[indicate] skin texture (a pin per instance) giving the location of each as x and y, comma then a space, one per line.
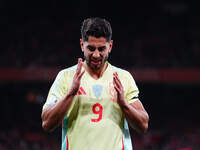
135, 113
96, 52
53, 115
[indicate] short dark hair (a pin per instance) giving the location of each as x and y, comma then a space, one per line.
96, 27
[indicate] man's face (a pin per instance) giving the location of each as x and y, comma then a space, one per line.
96, 51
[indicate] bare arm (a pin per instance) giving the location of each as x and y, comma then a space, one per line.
53, 115
135, 113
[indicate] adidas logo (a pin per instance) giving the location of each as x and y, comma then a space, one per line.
81, 91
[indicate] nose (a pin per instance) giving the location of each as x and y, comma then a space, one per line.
96, 54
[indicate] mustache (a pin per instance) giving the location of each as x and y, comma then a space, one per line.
96, 59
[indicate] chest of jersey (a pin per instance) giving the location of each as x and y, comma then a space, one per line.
94, 113
94, 119
96, 101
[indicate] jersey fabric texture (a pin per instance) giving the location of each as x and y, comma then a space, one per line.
94, 120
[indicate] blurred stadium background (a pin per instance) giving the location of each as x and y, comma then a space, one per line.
157, 41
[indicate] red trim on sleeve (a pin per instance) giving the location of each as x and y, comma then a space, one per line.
122, 144
67, 143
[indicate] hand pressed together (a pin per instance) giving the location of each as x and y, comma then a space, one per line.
119, 89
77, 78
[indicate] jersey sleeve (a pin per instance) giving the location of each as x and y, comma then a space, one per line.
56, 91
132, 92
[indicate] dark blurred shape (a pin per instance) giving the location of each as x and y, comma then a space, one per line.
157, 41
162, 35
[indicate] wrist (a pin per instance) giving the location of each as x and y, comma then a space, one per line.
123, 104
70, 95
72, 92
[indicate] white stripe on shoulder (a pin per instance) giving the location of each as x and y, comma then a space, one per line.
72, 68
114, 68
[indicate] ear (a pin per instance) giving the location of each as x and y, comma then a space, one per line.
110, 45
81, 44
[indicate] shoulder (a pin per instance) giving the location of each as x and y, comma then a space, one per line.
69, 70
66, 73
120, 71
124, 75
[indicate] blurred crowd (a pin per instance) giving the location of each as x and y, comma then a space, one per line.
20, 139
160, 41
187, 139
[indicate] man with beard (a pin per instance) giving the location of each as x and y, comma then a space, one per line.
93, 100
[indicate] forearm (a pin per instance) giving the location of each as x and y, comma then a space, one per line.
137, 118
135, 113
53, 116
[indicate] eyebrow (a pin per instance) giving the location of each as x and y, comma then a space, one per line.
102, 47
90, 46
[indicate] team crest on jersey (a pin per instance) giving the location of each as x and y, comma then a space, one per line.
113, 92
97, 89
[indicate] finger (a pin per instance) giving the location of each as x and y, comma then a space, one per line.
117, 82
116, 88
117, 78
81, 74
114, 80
116, 85
79, 66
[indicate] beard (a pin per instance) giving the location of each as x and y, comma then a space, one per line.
96, 67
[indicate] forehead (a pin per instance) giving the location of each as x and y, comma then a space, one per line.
93, 41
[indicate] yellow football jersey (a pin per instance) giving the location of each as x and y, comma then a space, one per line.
94, 120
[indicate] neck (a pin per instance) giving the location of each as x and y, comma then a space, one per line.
95, 73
